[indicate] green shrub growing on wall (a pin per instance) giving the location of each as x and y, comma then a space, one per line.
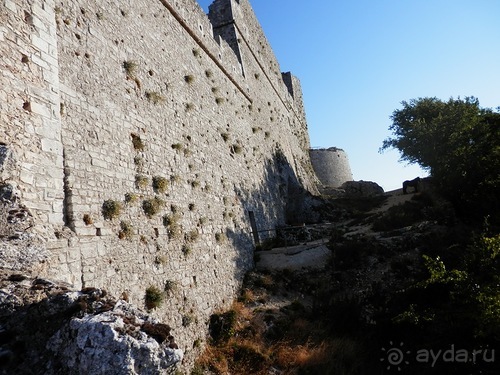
191, 236
152, 206
139, 162
141, 181
111, 209
171, 222
220, 237
187, 320
186, 250
160, 184
177, 146
155, 97
130, 68
137, 142
153, 298
126, 231
130, 198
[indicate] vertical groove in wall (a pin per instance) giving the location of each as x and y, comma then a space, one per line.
68, 214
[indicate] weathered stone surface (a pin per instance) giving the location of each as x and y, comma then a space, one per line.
7, 193
112, 343
6, 162
359, 189
46, 328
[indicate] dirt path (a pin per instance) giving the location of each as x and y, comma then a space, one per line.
313, 255
310, 255
394, 197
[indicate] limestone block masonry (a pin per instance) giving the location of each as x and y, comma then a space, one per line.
143, 135
331, 166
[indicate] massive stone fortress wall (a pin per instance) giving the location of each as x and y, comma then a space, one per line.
143, 135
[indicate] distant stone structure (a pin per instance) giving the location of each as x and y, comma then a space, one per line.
137, 139
331, 166
361, 189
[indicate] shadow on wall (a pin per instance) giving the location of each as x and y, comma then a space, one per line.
279, 200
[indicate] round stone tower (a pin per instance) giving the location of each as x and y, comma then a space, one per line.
331, 166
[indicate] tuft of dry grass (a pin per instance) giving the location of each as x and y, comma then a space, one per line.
254, 340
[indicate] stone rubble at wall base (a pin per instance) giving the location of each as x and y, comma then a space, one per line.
45, 328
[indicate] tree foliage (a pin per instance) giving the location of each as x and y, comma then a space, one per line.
467, 296
458, 142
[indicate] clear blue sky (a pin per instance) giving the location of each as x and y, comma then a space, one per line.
358, 59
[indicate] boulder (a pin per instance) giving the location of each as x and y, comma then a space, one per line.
361, 189
114, 342
47, 328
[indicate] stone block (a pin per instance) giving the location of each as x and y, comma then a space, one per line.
56, 218
41, 109
63, 272
86, 231
107, 232
57, 205
39, 206
27, 177
40, 25
62, 258
39, 43
88, 252
110, 272
10, 5
73, 255
51, 60
99, 163
57, 244
50, 145
51, 77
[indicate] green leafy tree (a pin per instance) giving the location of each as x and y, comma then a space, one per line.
458, 142
467, 296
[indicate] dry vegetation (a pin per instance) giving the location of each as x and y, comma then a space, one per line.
276, 329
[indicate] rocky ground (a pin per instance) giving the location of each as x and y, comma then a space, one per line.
46, 328
276, 317
336, 298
